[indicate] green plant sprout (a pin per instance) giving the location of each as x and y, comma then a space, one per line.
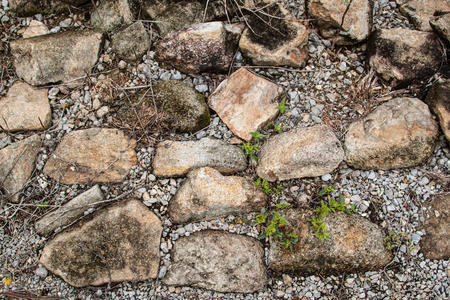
42, 204
277, 128
282, 106
250, 150
265, 187
257, 136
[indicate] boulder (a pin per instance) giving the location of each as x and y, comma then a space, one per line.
206, 194
110, 15
25, 108
438, 99
28, 8
218, 261
92, 155
354, 245
276, 41
401, 55
345, 22
245, 102
119, 243
69, 212
132, 42
16, 164
200, 48
400, 133
441, 25
301, 152
175, 158
34, 29
436, 242
420, 12
68, 56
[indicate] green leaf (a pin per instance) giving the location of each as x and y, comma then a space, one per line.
282, 106
257, 135
42, 204
261, 218
282, 205
257, 182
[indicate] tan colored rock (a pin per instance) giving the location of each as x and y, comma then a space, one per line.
25, 108
110, 15
92, 155
344, 22
438, 98
400, 133
279, 41
245, 102
69, 212
28, 8
301, 152
68, 56
218, 261
420, 12
441, 25
354, 245
17, 161
207, 194
402, 56
34, 29
174, 158
119, 243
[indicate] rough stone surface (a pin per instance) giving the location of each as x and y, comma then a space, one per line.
92, 155
132, 42
110, 15
301, 152
120, 243
207, 194
174, 158
218, 261
398, 134
69, 212
27, 8
200, 48
277, 41
345, 22
402, 55
25, 108
245, 102
441, 25
68, 56
34, 29
436, 242
354, 245
420, 12
16, 164
438, 99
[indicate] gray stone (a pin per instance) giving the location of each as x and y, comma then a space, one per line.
438, 99
132, 42
441, 25
218, 261
420, 12
110, 15
27, 8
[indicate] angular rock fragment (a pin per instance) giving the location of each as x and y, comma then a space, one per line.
436, 242
398, 134
401, 56
441, 25
68, 56
34, 29
16, 164
132, 42
245, 102
420, 12
207, 194
354, 245
110, 15
70, 211
275, 38
438, 99
25, 108
92, 155
119, 243
200, 48
174, 158
218, 261
301, 152
344, 22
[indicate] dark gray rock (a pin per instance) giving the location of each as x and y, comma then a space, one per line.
27, 8
132, 42
110, 15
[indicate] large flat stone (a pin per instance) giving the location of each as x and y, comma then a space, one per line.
420, 12
119, 243
218, 261
438, 99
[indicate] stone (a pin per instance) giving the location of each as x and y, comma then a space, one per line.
200, 47
301, 152
68, 56
354, 245
69, 212
420, 12
35, 28
28, 8
206, 194
218, 261
132, 42
275, 41
119, 243
436, 242
344, 22
110, 15
245, 102
25, 108
174, 158
92, 155
401, 56
441, 25
400, 133
438, 99
17, 161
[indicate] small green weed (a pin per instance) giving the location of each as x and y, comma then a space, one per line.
282, 106
251, 150
257, 136
265, 187
42, 204
277, 128
393, 239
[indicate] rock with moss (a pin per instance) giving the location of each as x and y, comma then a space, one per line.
132, 42
110, 15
